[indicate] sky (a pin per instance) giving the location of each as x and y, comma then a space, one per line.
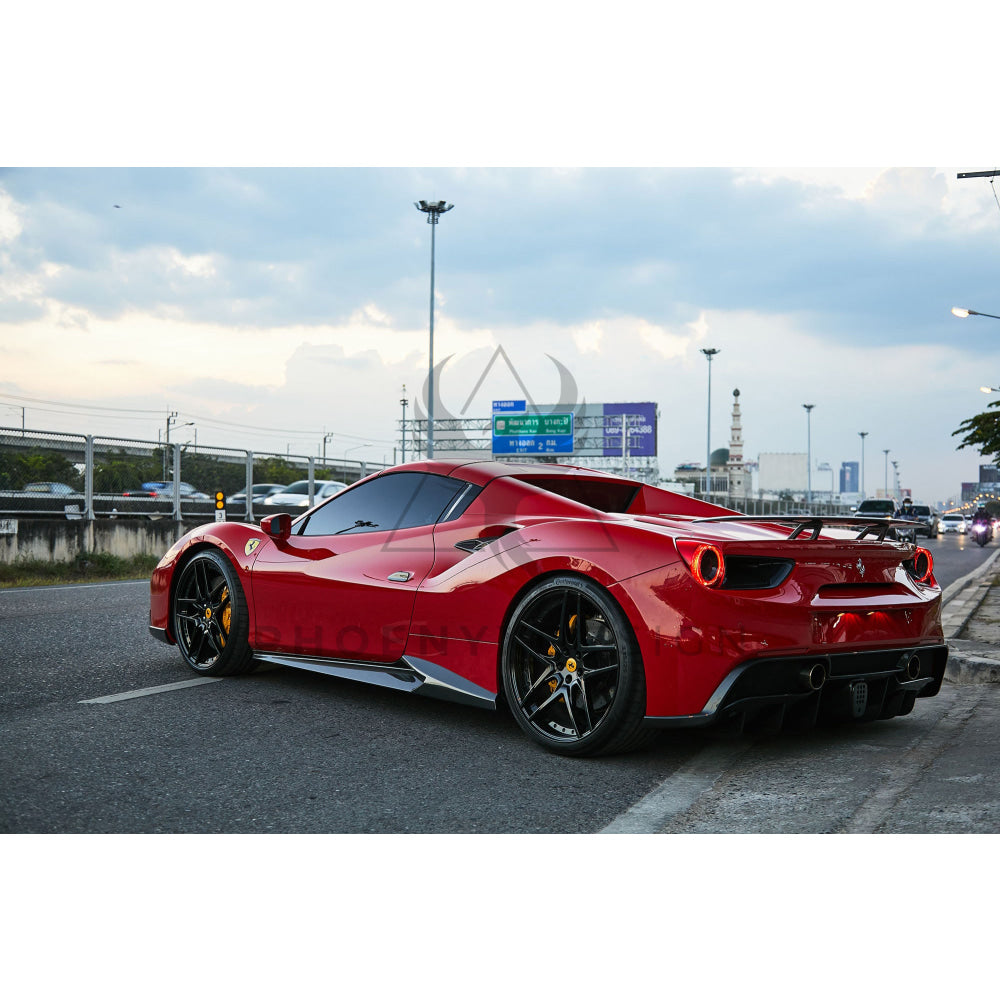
271, 306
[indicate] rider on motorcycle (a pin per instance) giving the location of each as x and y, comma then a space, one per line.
982, 516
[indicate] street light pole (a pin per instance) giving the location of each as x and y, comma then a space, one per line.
808, 407
434, 210
886, 450
862, 435
709, 353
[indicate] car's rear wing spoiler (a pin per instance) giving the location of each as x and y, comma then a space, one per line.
881, 527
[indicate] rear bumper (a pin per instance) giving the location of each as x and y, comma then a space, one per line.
781, 692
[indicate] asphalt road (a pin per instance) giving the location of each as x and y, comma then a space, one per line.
288, 751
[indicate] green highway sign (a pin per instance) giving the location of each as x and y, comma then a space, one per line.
532, 433
536, 423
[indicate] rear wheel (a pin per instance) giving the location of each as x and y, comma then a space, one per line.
209, 616
571, 670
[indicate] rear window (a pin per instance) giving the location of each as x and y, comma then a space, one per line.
611, 497
876, 507
952, 517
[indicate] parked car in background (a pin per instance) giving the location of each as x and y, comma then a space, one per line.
297, 495
953, 522
50, 489
159, 488
260, 492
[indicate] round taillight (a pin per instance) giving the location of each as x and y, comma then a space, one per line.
923, 565
708, 566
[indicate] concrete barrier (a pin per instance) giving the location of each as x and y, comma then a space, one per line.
62, 540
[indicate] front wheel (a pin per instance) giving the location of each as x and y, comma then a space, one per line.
209, 616
571, 670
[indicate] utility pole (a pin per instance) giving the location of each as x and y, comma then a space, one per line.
403, 403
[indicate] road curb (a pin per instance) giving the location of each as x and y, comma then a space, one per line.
960, 602
965, 668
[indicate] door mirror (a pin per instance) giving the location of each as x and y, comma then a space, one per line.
277, 526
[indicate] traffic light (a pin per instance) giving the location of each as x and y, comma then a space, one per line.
220, 500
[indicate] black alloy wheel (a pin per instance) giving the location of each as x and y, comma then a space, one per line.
571, 670
210, 616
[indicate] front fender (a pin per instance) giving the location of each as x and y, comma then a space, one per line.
240, 542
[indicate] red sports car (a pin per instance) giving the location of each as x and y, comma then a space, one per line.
596, 607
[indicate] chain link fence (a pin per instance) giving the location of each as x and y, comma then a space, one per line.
51, 474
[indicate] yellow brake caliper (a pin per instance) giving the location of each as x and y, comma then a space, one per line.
227, 615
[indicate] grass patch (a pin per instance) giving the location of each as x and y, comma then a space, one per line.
87, 567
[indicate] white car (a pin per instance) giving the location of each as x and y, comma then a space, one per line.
953, 522
297, 495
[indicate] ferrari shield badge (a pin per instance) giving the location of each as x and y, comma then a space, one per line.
251, 545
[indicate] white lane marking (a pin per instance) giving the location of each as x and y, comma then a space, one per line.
142, 692
44, 588
680, 791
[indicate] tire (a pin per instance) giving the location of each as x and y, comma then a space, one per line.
209, 616
577, 691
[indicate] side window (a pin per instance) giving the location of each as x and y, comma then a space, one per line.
398, 500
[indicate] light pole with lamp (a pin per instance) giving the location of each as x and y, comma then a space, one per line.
808, 407
709, 353
862, 435
965, 313
434, 210
886, 451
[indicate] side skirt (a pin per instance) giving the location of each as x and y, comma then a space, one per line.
409, 674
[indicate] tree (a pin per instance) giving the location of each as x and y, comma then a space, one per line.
275, 470
982, 431
18, 468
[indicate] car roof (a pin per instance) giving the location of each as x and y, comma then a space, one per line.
482, 472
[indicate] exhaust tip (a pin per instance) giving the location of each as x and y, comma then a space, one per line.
813, 677
913, 667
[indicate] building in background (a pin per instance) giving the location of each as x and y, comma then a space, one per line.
849, 472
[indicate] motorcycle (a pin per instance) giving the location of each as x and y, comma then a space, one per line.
981, 532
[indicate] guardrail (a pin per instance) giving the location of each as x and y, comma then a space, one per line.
102, 477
